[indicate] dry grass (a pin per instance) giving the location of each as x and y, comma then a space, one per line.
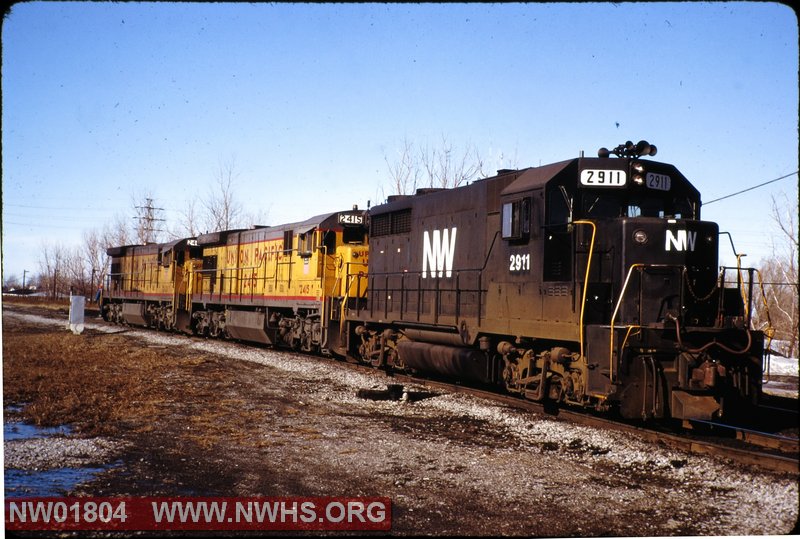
106, 384
41, 302
66, 378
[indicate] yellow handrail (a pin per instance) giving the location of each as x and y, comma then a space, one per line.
586, 279
613, 317
770, 330
741, 284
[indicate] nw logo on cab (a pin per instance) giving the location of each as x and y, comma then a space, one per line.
682, 242
437, 254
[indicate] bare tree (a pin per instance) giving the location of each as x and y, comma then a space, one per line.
77, 274
52, 271
94, 253
446, 167
11, 282
222, 210
116, 233
404, 170
433, 166
188, 225
780, 276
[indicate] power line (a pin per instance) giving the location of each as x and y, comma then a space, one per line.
51, 217
81, 208
38, 225
750, 188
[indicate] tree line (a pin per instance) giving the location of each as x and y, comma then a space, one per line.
65, 270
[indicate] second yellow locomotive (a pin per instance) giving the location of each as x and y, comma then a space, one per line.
282, 285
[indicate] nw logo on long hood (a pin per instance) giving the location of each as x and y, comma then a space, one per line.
437, 253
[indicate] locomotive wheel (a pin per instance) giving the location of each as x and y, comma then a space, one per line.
393, 360
556, 389
376, 361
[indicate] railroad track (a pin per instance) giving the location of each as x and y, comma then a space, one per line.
744, 446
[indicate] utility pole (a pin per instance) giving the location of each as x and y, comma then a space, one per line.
147, 219
91, 288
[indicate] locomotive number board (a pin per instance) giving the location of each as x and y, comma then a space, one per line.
662, 182
603, 178
351, 219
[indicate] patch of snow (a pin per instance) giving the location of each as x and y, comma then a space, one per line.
784, 366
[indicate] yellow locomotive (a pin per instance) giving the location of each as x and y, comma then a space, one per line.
287, 285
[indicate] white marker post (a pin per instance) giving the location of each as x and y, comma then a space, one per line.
76, 307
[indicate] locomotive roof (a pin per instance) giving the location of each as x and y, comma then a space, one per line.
147, 247
536, 177
260, 231
308, 224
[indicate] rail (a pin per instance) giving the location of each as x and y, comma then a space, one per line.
586, 278
641, 267
416, 300
685, 284
436, 305
682, 440
747, 301
349, 279
233, 281
133, 282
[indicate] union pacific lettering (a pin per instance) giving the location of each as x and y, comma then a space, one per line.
254, 254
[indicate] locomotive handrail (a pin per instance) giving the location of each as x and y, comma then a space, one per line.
586, 278
438, 290
420, 290
746, 301
135, 280
234, 274
489, 252
619, 303
769, 331
613, 317
349, 278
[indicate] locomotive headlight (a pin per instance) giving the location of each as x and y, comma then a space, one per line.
640, 236
638, 172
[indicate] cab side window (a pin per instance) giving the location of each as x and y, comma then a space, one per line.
516, 219
557, 264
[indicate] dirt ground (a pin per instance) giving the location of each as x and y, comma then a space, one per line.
203, 418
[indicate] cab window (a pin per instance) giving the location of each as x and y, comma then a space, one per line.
559, 207
353, 234
516, 219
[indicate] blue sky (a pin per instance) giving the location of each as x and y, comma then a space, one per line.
105, 100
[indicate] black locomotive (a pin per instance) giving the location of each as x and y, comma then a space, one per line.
591, 281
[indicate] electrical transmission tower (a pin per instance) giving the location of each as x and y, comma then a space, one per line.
146, 228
